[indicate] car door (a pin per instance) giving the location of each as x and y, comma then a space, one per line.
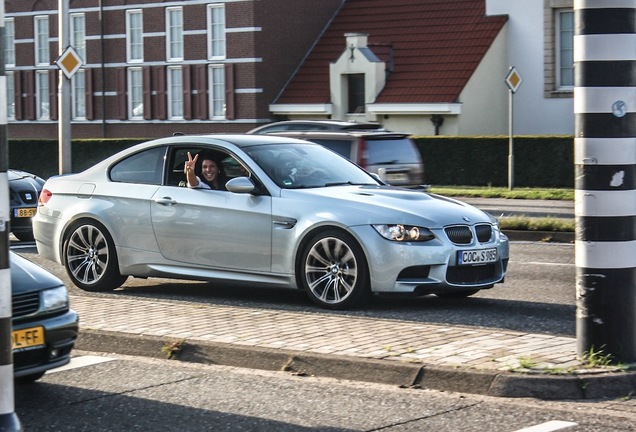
213, 228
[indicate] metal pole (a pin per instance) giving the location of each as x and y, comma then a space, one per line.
8, 419
64, 93
511, 151
605, 187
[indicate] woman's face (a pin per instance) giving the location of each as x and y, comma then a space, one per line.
209, 170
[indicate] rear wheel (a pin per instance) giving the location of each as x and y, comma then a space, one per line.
334, 271
90, 257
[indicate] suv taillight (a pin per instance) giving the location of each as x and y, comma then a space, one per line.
45, 196
363, 156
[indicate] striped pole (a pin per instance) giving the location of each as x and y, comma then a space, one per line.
605, 186
8, 419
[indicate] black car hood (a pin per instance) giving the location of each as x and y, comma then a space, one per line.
27, 276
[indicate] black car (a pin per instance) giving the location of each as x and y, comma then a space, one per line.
24, 190
44, 327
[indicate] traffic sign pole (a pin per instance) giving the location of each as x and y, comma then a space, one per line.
513, 81
64, 92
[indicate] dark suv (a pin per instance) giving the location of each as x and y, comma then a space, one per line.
394, 157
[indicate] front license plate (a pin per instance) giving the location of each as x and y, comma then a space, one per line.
472, 257
29, 337
24, 212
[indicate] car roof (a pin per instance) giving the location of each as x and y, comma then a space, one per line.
330, 124
370, 134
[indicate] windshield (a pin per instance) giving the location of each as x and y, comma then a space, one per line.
296, 166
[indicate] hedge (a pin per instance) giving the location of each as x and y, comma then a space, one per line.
546, 161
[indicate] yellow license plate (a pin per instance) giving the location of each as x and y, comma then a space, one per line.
25, 212
28, 337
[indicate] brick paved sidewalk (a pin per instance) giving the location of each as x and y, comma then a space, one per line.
383, 339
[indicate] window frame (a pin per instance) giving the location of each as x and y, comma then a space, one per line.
9, 46
42, 94
559, 49
131, 32
10, 76
78, 34
174, 35
42, 49
135, 73
215, 53
175, 96
78, 95
216, 92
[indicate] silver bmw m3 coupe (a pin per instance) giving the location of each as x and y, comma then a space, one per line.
289, 213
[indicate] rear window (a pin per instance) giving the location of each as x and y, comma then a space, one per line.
392, 151
342, 147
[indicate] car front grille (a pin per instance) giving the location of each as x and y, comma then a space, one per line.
25, 304
463, 234
470, 275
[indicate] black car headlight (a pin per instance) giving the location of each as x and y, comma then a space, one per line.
404, 233
55, 299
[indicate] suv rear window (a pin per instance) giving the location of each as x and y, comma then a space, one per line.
396, 151
342, 147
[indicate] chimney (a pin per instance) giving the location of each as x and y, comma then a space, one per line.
357, 40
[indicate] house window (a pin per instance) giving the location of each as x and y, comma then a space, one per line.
135, 94
134, 36
175, 93
216, 32
42, 56
564, 32
78, 34
9, 42
42, 95
217, 92
174, 33
79, 95
78, 82
355, 93
10, 96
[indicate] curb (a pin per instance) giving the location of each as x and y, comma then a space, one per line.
402, 374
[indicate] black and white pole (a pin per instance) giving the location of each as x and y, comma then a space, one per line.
605, 184
8, 419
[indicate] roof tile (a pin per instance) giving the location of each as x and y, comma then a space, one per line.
437, 46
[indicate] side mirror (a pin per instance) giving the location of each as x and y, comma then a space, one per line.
240, 185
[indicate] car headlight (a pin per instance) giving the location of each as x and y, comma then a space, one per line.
54, 299
404, 233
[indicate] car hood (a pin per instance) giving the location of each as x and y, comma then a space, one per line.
28, 277
401, 204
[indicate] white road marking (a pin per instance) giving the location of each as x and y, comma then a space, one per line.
550, 426
550, 264
82, 361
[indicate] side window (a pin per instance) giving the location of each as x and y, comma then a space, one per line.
229, 166
145, 167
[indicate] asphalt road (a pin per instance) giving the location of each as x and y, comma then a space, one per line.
120, 393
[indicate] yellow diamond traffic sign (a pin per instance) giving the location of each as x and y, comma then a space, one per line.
69, 62
513, 79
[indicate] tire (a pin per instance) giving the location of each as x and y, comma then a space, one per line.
24, 236
90, 258
27, 379
333, 271
458, 293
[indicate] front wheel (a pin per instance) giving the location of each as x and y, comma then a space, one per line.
334, 271
90, 257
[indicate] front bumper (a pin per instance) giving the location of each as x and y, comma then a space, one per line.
60, 335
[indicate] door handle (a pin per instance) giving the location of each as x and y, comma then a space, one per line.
166, 201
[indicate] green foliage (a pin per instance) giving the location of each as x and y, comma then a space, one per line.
542, 161
501, 192
536, 224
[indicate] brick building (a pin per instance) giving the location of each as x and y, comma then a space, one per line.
155, 67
